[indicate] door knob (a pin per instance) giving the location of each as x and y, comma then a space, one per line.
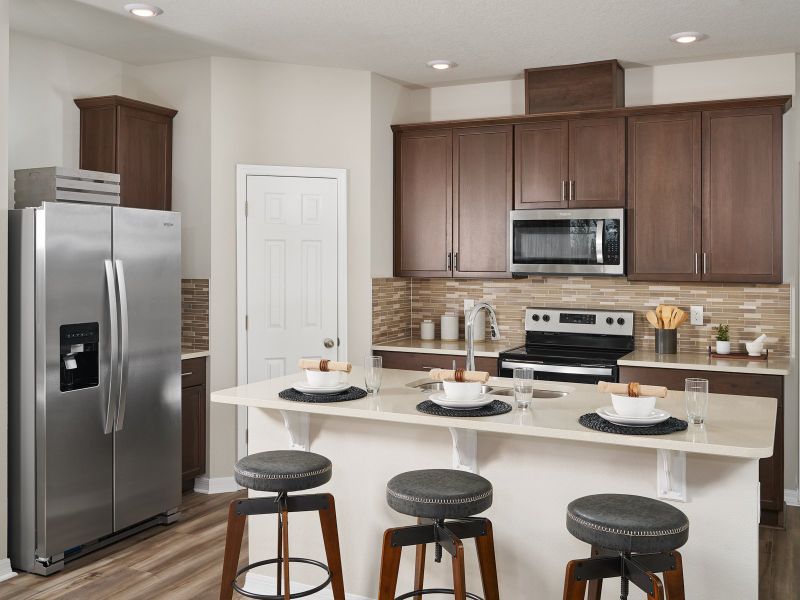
328, 343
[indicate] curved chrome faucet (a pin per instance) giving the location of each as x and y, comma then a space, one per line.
469, 323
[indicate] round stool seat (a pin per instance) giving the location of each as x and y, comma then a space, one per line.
627, 523
439, 494
282, 471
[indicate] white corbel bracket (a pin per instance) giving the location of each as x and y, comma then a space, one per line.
297, 425
465, 449
671, 475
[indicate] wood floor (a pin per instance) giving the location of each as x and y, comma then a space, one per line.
183, 562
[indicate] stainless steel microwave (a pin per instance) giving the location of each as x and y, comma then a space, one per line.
584, 241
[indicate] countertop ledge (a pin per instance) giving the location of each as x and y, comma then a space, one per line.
737, 426
189, 354
485, 348
778, 365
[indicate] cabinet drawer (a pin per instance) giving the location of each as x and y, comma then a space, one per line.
193, 372
419, 361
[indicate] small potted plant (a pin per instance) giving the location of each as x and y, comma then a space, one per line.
723, 339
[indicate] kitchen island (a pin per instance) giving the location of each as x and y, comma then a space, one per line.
537, 460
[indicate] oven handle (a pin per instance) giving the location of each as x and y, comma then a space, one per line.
598, 240
558, 368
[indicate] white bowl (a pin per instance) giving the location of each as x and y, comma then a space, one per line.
625, 406
754, 348
457, 390
323, 378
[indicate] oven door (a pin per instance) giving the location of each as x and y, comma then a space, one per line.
584, 241
565, 373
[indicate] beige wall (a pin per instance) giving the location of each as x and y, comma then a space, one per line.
3, 288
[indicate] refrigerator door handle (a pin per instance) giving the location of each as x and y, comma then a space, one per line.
113, 329
123, 344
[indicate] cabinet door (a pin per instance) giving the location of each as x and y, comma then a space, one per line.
742, 195
144, 159
418, 361
193, 438
664, 197
597, 163
423, 203
541, 162
482, 193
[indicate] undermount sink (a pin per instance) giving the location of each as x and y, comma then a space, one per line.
438, 386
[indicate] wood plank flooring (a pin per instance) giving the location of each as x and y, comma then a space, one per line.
183, 562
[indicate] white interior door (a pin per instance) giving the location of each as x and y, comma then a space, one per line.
292, 263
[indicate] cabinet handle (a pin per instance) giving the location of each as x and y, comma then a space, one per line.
186, 374
449, 261
572, 190
563, 190
705, 263
696, 263
455, 262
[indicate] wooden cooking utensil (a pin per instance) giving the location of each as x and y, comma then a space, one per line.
666, 316
659, 310
653, 319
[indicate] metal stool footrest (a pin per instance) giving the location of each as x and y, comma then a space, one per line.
273, 561
433, 591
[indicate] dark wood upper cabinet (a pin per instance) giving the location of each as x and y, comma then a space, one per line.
424, 203
585, 86
541, 164
742, 155
664, 197
597, 163
483, 193
134, 139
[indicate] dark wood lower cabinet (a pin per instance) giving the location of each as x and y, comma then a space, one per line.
193, 420
419, 361
739, 384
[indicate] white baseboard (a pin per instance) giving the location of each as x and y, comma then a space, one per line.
792, 497
215, 485
264, 584
5, 570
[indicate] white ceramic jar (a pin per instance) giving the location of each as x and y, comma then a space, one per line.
449, 324
427, 330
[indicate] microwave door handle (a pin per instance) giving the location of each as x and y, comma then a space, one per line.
598, 241
113, 366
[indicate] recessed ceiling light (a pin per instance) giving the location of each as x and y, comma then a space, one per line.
687, 37
143, 10
441, 65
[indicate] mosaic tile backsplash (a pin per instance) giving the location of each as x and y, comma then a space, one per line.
194, 314
399, 305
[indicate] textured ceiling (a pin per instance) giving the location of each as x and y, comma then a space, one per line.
489, 39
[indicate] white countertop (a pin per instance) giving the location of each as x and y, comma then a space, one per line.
187, 354
737, 426
486, 348
778, 365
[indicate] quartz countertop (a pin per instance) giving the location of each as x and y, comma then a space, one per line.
778, 365
486, 348
737, 426
187, 354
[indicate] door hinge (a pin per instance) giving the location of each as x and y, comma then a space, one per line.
246, 436
246, 322
246, 208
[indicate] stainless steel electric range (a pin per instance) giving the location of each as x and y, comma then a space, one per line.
575, 345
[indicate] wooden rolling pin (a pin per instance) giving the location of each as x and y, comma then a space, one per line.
459, 375
622, 388
320, 364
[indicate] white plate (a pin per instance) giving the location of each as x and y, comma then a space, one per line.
655, 417
441, 399
306, 388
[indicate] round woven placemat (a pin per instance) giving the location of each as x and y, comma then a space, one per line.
351, 393
598, 423
497, 407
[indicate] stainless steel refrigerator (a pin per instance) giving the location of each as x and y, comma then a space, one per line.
94, 407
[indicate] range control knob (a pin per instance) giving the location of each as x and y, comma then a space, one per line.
609, 320
620, 321
535, 317
545, 318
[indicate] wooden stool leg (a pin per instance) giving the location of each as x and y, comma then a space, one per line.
573, 590
390, 567
673, 580
459, 575
595, 585
286, 592
330, 536
233, 545
419, 567
657, 587
487, 563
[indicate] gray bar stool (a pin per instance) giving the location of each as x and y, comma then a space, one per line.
444, 502
632, 538
282, 471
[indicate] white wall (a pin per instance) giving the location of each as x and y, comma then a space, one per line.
4, 77
186, 86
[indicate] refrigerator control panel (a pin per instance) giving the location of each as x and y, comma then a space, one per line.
79, 359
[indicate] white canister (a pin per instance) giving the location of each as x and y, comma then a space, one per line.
427, 330
449, 326
478, 325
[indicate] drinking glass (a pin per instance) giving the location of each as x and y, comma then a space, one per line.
696, 395
523, 386
373, 369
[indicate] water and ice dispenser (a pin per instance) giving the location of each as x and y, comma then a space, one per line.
79, 358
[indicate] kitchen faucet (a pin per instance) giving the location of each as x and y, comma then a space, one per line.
469, 324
